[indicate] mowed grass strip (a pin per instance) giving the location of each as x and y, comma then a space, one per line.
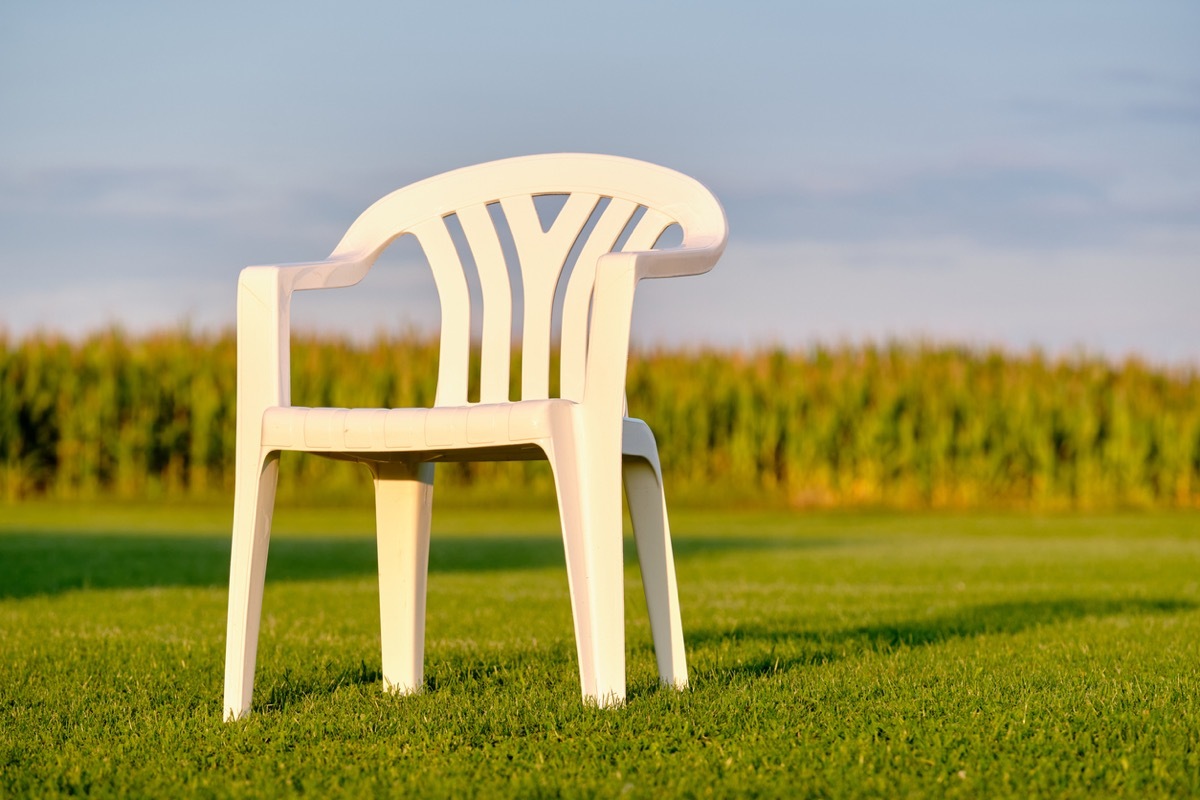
831, 655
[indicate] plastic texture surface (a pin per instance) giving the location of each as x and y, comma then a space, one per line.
601, 243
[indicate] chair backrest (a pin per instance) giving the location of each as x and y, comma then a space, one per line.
609, 201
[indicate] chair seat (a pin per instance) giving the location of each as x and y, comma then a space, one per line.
518, 426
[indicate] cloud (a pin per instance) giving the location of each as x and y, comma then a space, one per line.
1115, 301
91, 226
144, 193
1118, 98
1018, 205
1185, 112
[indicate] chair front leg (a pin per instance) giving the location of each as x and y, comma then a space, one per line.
588, 480
253, 507
403, 515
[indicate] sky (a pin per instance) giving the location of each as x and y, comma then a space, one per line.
1010, 174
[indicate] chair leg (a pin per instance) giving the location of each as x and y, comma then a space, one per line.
588, 480
648, 510
403, 513
253, 507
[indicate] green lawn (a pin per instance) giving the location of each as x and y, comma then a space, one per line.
831, 655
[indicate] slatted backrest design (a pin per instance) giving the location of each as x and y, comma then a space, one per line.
604, 195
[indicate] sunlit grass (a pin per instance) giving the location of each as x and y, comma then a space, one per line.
831, 655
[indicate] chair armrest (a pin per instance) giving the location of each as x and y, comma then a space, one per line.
264, 322
674, 262
617, 276
332, 273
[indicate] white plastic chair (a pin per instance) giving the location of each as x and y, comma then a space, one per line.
590, 443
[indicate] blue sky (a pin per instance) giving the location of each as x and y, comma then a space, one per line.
992, 173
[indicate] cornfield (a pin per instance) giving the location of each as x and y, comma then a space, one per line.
898, 425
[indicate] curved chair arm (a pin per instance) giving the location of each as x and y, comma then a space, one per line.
264, 323
617, 276
675, 262
332, 273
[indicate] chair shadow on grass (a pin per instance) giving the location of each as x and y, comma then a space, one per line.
805, 648
290, 688
816, 647
46, 563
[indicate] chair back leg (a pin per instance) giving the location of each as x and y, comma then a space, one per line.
403, 515
648, 510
